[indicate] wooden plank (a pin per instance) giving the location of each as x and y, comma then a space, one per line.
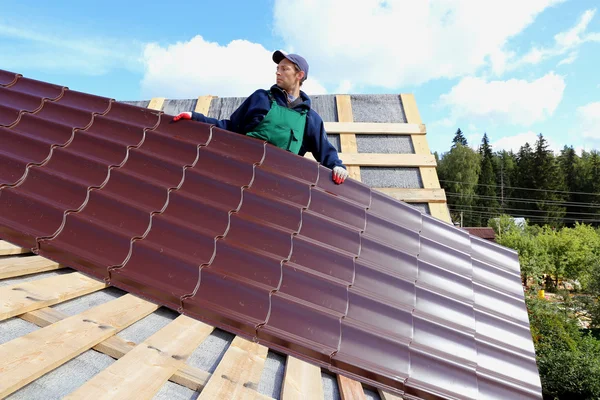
24, 359
203, 104
440, 211
388, 395
23, 297
416, 195
375, 128
238, 373
411, 111
301, 381
347, 139
428, 173
156, 103
389, 160
141, 373
115, 347
420, 144
19, 266
8, 249
350, 389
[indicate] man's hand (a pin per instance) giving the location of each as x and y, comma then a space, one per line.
339, 175
183, 115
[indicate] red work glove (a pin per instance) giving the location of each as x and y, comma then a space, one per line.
183, 115
339, 175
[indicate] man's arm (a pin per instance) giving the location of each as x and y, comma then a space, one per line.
246, 117
323, 151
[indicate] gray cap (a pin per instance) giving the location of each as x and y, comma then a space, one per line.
295, 58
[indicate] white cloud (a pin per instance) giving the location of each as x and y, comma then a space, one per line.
568, 41
394, 43
198, 67
515, 142
514, 101
589, 120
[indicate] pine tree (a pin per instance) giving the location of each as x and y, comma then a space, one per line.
486, 189
459, 138
547, 179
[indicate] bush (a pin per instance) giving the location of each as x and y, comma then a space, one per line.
568, 360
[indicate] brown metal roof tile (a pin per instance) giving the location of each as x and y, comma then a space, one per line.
392, 318
387, 359
392, 210
260, 242
297, 325
8, 78
323, 259
435, 376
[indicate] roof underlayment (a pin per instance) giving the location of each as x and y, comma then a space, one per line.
260, 243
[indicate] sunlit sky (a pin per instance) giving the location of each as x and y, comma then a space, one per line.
512, 69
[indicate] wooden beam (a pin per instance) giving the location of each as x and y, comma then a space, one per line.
238, 373
203, 104
388, 160
156, 103
350, 389
347, 138
26, 358
141, 373
18, 266
415, 195
27, 296
301, 381
388, 395
8, 249
375, 128
191, 377
429, 175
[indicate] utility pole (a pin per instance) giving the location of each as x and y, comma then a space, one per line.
502, 183
461, 219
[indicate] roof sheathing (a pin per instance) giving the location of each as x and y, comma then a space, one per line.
253, 235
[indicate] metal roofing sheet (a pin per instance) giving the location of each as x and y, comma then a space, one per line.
262, 243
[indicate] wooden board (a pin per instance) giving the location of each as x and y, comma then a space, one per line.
28, 357
157, 103
350, 389
203, 104
115, 347
347, 139
301, 381
415, 195
388, 395
375, 128
238, 373
141, 373
7, 249
23, 297
429, 175
12, 267
389, 160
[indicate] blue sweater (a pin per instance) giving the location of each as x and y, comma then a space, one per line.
254, 109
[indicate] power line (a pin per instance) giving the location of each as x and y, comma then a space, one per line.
520, 188
526, 200
521, 215
536, 211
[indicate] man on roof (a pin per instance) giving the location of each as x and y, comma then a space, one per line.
283, 116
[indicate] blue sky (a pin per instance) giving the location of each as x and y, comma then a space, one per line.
512, 69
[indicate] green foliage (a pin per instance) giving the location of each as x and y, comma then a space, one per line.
568, 360
458, 170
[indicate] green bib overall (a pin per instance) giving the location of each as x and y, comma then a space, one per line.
282, 127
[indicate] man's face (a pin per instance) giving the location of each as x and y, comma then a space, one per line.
287, 76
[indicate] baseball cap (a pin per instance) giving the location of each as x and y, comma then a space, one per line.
295, 58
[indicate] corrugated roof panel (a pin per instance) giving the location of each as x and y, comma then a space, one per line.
262, 243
